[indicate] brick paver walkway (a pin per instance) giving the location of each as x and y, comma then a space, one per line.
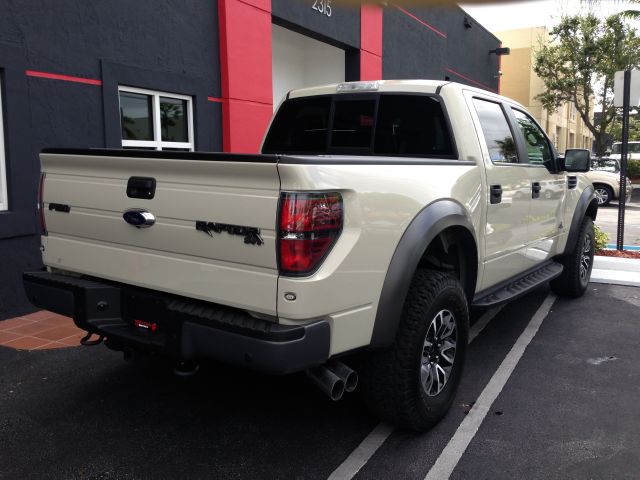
40, 330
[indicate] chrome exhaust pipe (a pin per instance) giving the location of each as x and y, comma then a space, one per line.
327, 381
346, 374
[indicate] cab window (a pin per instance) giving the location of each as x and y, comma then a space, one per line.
496, 131
538, 150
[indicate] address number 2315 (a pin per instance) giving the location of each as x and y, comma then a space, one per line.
322, 6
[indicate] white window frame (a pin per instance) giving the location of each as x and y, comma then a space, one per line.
4, 195
157, 143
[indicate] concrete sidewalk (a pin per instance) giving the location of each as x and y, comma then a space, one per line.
616, 271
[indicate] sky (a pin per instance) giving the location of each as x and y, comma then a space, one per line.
535, 13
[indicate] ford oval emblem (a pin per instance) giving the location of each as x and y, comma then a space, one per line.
139, 217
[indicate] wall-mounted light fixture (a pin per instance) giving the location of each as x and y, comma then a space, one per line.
501, 51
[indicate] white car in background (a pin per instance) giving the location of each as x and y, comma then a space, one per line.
605, 176
616, 151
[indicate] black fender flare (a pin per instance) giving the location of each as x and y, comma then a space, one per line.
586, 199
423, 229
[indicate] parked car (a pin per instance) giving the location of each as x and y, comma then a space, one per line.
376, 215
605, 176
616, 151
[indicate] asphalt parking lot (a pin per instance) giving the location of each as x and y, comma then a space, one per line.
569, 409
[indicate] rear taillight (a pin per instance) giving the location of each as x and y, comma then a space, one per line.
309, 225
40, 206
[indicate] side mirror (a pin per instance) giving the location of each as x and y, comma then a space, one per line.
577, 160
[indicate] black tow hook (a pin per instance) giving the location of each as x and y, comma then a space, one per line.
87, 342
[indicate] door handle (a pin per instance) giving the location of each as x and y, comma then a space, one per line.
141, 187
535, 190
496, 194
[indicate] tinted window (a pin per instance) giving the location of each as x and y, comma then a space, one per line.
353, 123
135, 116
496, 132
300, 127
411, 125
538, 149
173, 119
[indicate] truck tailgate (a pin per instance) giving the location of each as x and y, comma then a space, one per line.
222, 191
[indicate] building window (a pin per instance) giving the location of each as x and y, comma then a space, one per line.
156, 120
4, 203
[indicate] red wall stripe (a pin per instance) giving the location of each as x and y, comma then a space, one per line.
245, 69
486, 87
370, 42
214, 99
66, 78
430, 27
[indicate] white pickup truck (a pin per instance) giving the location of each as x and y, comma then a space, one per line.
376, 214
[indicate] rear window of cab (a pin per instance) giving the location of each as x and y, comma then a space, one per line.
381, 124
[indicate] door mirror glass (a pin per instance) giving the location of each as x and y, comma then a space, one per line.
577, 160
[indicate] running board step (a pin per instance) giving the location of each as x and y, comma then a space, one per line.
513, 289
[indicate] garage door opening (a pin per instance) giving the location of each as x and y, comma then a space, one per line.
300, 61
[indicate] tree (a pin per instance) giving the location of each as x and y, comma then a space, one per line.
579, 67
614, 130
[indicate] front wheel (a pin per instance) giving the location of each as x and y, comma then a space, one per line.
604, 195
578, 264
412, 384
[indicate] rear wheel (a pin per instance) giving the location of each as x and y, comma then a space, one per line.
578, 264
412, 384
604, 194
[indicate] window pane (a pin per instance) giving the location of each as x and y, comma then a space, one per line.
537, 146
173, 120
136, 116
300, 126
496, 132
411, 125
353, 123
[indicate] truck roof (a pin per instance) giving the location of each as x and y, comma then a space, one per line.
409, 86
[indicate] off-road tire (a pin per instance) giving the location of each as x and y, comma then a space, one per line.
391, 379
573, 281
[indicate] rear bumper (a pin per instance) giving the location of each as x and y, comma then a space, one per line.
179, 327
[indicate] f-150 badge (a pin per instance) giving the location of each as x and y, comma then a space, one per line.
251, 234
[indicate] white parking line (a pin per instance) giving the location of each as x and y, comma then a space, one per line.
456, 447
361, 455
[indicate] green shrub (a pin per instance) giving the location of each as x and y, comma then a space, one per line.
633, 168
602, 238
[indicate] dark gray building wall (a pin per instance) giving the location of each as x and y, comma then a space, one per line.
341, 29
174, 46
413, 50
160, 45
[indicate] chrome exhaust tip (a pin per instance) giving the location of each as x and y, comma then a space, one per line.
346, 374
332, 385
